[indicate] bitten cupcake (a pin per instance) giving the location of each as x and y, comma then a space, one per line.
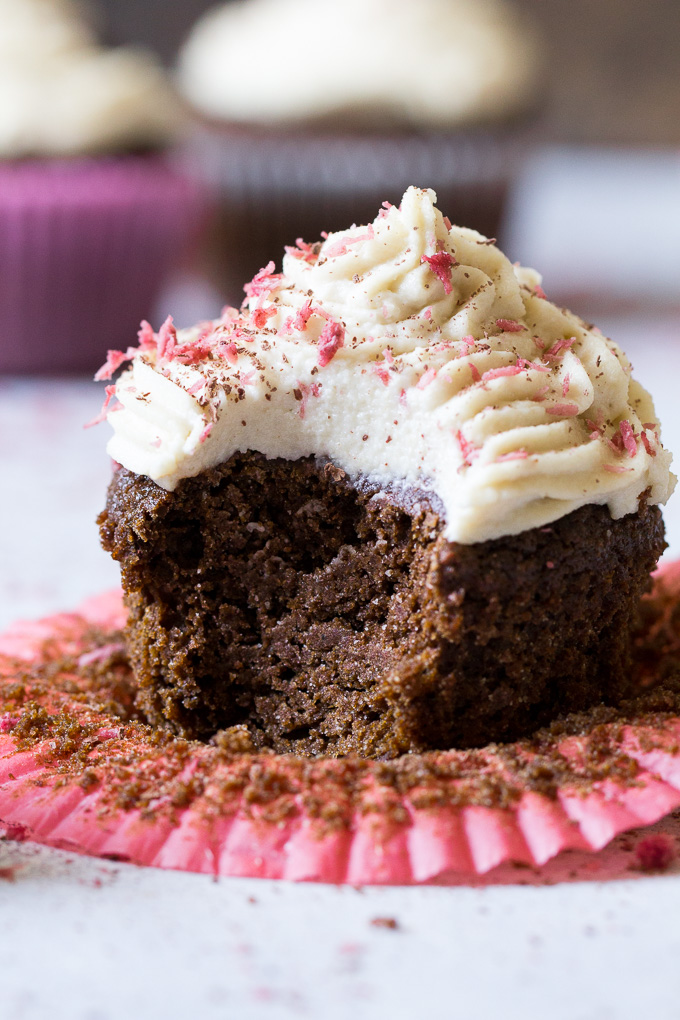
312, 113
399, 501
92, 217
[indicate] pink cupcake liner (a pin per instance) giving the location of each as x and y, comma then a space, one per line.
254, 816
85, 247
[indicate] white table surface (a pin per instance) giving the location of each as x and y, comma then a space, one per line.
83, 939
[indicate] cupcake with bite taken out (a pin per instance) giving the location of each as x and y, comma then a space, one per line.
311, 114
92, 216
397, 502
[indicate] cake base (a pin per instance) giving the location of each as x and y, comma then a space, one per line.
276, 605
78, 771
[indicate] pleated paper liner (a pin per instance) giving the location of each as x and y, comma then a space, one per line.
86, 244
78, 771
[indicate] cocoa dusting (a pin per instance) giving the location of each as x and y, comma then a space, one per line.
76, 713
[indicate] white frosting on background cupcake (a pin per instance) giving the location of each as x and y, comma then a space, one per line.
439, 63
61, 94
409, 352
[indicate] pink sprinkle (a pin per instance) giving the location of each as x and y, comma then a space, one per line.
146, 336
303, 316
260, 316
263, 282
499, 373
110, 394
616, 469
426, 378
655, 853
427, 314
513, 455
539, 343
230, 352
156, 443
382, 372
540, 393
532, 366
559, 348
246, 378
304, 392
628, 437
476, 377
469, 342
447, 222
114, 359
538, 290
509, 325
98, 654
441, 264
343, 244
198, 385
388, 356
467, 448
402, 398
193, 352
302, 251
647, 445
565, 410
166, 340
206, 432
565, 385
331, 340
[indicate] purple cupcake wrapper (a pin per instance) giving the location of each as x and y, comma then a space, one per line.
85, 247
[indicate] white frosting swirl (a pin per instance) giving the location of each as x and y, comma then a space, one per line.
61, 94
409, 352
435, 62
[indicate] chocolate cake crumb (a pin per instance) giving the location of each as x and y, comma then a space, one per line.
390, 923
333, 618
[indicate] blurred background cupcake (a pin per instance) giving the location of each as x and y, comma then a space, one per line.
312, 112
92, 216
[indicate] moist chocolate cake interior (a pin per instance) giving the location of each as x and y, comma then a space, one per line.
333, 618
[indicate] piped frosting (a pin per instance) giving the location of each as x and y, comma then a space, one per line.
62, 94
439, 63
412, 353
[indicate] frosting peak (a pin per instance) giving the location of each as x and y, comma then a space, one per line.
62, 94
439, 63
410, 352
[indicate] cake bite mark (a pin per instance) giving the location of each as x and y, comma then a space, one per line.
441, 264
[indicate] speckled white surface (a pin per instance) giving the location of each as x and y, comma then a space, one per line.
84, 939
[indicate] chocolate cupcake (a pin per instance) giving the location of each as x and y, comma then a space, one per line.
398, 502
311, 114
92, 216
